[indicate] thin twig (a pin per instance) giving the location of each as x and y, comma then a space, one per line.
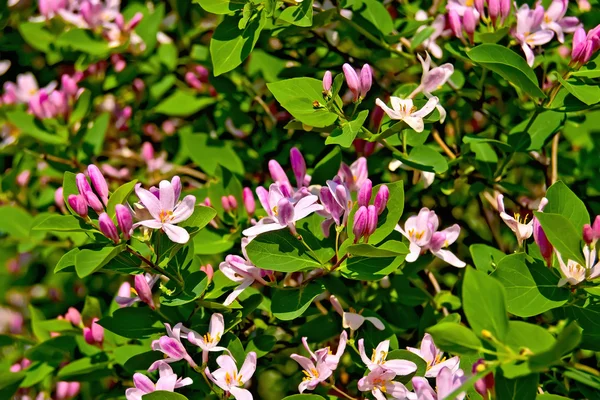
436, 288
554, 174
442, 144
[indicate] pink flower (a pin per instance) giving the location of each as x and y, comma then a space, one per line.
210, 340
529, 31
378, 359
555, 20
172, 347
355, 175
522, 230
228, 378
143, 291
314, 373
446, 382
421, 231
434, 357
167, 381
460, 6
584, 45
432, 80
380, 383
94, 334
67, 390
353, 320
404, 110
166, 211
574, 273
438, 25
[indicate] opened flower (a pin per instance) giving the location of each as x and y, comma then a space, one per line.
209, 341
355, 174
353, 320
378, 359
380, 383
555, 20
228, 378
172, 347
522, 229
529, 32
330, 359
446, 383
315, 371
434, 357
166, 210
432, 80
404, 110
167, 381
574, 273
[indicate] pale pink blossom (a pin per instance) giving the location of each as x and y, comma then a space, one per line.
446, 383
379, 359
167, 381
380, 383
172, 347
232, 381
208, 342
353, 320
404, 110
529, 31
555, 20
434, 357
522, 229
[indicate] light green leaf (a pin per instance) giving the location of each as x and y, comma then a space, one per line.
120, 196
88, 261
221, 6
532, 134
31, 127
93, 139
562, 200
133, 323
300, 15
589, 94
208, 153
87, 369
391, 248
455, 338
485, 258
62, 223
183, 104
345, 135
376, 13
163, 395
289, 304
15, 222
566, 342
424, 158
195, 286
563, 235
83, 41
280, 251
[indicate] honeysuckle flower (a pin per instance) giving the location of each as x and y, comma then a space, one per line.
591, 233
446, 382
172, 347
280, 178
143, 291
380, 383
378, 359
166, 211
585, 45
485, 385
337, 203
330, 359
421, 231
23, 90
555, 20
434, 357
460, 6
522, 229
439, 29
433, 79
209, 341
67, 390
355, 175
327, 82
167, 381
315, 372
94, 334
351, 319
283, 212
249, 202
425, 177
404, 110
529, 31
242, 271
299, 167
228, 378
574, 273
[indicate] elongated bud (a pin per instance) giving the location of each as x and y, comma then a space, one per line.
285, 211
94, 333
208, 270
486, 384
225, 203
298, 166
454, 22
381, 199
73, 316
202, 73
82, 183
249, 202
579, 44
469, 22
327, 81
360, 223
68, 85
192, 80
588, 234
504, 9
371, 221
124, 219
364, 193
108, 228
98, 182
78, 204
369, 147
278, 174
232, 202
352, 80
479, 5
494, 9
596, 227
539, 236
93, 201
59, 199
143, 290
366, 80
147, 151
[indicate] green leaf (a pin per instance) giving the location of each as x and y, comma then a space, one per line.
509, 65
566, 342
200, 218
484, 304
93, 139
183, 103
368, 268
548, 396
455, 338
89, 261
36, 373
82, 40
209, 153
304, 397
565, 238
289, 304
29, 126
195, 286
531, 289
37, 35
37, 317
562, 200
280, 251
133, 323
298, 95
485, 258
376, 13
532, 133
523, 388
120, 196
62, 223
492, 37
81, 108
230, 45
589, 94
327, 167
345, 135
53, 350
391, 248
9, 384
221, 6
261, 345
421, 36
300, 15
410, 356
15, 222
87, 369
91, 310
424, 158
163, 395
522, 335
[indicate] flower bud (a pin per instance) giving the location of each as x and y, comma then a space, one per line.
277, 173
486, 384
82, 183
327, 81
504, 9
124, 219
371, 221
494, 10
143, 290
108, 228
366, 80
588, 234
208, 270
78, 204
98, 182
469, 22
360, 223
479, 5
68, 85
93, 201
202, 73
138, 85
381, 199
298, 166
539, 236
249, 202
73, 316
94, 333
364, 193
192, 80
225, 203
232, 202
579, 44
135, 20
352, 80
59, 199
455, 24
596, 227
369, 148
23, 178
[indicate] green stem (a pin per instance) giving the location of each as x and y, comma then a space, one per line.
155, 267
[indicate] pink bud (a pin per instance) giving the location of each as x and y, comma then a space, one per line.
249, 202
192, 80
108, 228
539, 236
23, 178
504, 9
369, 147
138, 85
73, 316
94, 333
169, 127
371, 221
62, 390
143, 290
493, 9
202, 73
327, 81
98, 182
135, 20
124, 219
147, 151
118, 62
278, 174
59, 199
68, 85
364, 193
366, 80
360, 223
479, 4
596, 227
225, 203
486, 384
469, 23
82, 183
298, 165
454, 22
352, 80
588, 234
78, 204
381, 199
208, 270
93, 201
232, 202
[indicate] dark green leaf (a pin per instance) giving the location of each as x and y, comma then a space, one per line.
88, 261
289, 304
280, 251
563, 235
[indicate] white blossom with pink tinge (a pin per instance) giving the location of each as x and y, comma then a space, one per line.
432, 80
438, 25
380, 383
314, 372
555, 20
166, 211
404, 110
434, 357
421, 231
574, 273
446, 383
167, 381
355, 174
208, 342
232, 381
529, 32
378, 359
353, 320
523, 230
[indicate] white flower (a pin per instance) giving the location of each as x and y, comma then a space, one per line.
405, 110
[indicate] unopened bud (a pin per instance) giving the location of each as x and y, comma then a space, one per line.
78, 204
249, 202
124, 220
381, 199
352, 80
360, 223
98, 182
143, 290
298, 166
108, 228
327, 81
366, 80
364, 193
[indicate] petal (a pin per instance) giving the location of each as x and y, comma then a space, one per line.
264, 225
143, 383
529, 56
184, 209
399, 104
149, 223
134, 394
216, 326
449, 257
352, 320
176, 233
415, 123
227, 363
305, 363
452, 233
237, 291
427, 108
391, 113
540, 37
184, 382
401, 367
415, 251
363, 355
248, 367
376, 322
167, 383
306, 206
240, 394
167, 196
149, 201
442, 112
